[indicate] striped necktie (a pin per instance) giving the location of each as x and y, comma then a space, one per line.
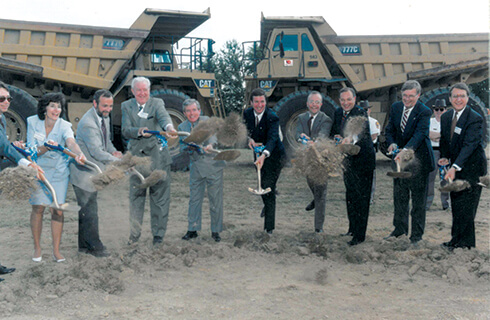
104, 133
404, 119
453, 124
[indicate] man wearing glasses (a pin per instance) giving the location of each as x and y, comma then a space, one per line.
439, 108
408, 128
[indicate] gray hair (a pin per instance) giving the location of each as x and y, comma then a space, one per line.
314, 92
141, 79
461, 86
348, 89
188, 102
412, 84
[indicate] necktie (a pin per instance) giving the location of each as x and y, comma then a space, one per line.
140, 108
344, 116
310, 121
256, 121
453, 124
404, 120
104, 132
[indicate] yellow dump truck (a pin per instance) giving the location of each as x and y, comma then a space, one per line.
36, 58
298, 54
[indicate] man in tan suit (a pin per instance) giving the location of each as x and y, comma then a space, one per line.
139, 114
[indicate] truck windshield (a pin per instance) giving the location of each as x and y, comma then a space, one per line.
306, 43
289, 41
160, 57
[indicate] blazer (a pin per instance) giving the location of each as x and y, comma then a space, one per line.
267, 133
416, 134
365, 160
321, 126
6, 149
157, 119
91, 141
201, 165
465, 148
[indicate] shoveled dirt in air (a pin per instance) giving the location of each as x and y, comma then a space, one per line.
293, 274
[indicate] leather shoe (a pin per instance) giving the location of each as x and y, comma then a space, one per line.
319, 230
310, 206
102, 253
5, 270
215, 236
157, 240
268, 231
262, 213
353, 242
347, 234
190, 235
392, 235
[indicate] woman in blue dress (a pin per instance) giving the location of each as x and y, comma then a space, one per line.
48, 126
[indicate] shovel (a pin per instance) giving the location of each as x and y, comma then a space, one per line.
151, 180
484, 181
198, 137
54, 204
398, 173
451, 185
226, 155
259, 191
73, 155
347, 148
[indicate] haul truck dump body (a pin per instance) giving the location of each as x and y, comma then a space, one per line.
41, 57
301, 54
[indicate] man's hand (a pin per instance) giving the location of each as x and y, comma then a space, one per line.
142, 133
392, 147
81, 159
207, 148
40, 171
443, 162
19, 144
117, 154
347, 140
434, 136
260, 161
451, 174
251, 143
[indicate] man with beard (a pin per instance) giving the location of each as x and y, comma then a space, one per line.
94, 139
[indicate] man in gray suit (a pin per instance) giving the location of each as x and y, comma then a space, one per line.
94, 139
139, 114
204, 172
312, 125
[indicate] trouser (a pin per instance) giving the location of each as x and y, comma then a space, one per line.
269, 175
159, 206
214, 185
320, 198
358, 193
88, 220
416, 189
432, 179
464, 206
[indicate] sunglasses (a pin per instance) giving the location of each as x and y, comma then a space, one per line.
8, 98
439, 109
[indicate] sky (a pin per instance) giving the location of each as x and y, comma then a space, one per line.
240, 20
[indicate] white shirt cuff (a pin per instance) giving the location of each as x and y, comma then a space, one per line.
24, 162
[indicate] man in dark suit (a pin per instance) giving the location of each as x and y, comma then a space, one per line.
358, 169
461, 147
7, 151
315, 124
408, 128
139, 114
263, 129
94, 139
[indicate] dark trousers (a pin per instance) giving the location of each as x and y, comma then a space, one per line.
464, 206
88, 220
269, 174
414, 188
320, 198
358, 186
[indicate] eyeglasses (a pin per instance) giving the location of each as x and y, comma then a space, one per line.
439, 109
8, 98
462, 96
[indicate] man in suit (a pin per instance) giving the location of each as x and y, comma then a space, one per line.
315, 124
461, 147
408, 128
263, 130
139, 114
358, 169
7, 151
94, 139
204, 171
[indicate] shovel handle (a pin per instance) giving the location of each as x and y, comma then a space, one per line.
21, 151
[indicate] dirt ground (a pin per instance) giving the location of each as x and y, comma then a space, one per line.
294, 274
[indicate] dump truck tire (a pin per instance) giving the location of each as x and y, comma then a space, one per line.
173, 104
474, 102
289, 108
22, 106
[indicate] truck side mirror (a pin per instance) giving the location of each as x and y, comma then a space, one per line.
281, 46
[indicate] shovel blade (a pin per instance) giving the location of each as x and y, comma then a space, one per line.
66, 207
401, 175
227, 155
198, 137
350, 149
259, 192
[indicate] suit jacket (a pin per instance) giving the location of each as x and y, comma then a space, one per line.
365, 160
157, 119
321, 126
201, 165
416, 134
465, 148
6, 149
91, 142
267, 133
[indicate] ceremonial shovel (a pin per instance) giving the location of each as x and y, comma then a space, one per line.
347, 148
399, 173
451, 185
259, 191
73, 155
55, 205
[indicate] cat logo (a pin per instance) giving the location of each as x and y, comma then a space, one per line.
205, 83
267, 85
